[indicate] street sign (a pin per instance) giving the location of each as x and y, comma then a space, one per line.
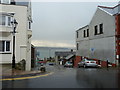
92, 49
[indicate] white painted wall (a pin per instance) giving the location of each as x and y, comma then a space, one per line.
23, 48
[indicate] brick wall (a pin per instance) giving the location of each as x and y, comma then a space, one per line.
77, 60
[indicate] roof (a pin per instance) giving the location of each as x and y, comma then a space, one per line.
111, 10
63, 53
69, 56
82, 27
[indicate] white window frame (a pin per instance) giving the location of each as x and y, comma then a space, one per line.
102, 28
8, 24
4, 1
6, 21
5, 51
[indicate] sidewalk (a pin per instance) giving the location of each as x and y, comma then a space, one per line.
6, 71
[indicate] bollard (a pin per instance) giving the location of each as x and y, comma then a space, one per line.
107, 63
42, 69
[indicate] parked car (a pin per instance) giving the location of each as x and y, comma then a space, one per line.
42, 67
68, 64
87, 63
51, 63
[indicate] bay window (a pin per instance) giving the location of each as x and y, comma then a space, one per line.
5, 1
5, 20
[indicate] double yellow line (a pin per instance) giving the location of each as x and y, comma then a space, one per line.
21, 78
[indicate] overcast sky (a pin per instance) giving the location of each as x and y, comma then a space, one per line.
55, 23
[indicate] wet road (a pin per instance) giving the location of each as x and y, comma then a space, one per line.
71, 78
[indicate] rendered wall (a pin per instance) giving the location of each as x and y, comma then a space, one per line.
101, 47
23, 43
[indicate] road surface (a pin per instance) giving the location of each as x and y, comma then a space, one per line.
70, 78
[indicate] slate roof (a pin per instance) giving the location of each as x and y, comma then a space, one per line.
69, 56
111, 10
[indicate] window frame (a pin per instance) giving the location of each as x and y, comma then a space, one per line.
3, 19
77, 46
77, 34
4, 48
84, 33
101, 28
87, 33
7, 23
29, 25
96, 30
4, 2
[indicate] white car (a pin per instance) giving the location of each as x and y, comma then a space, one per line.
87, 63
68, 64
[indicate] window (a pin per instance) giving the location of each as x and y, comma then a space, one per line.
96, 30
100, 31
29, 25
101, 28
77, 34
5, 20
87, 32
9, 21
5, 1
7, 45
77, 46
4, 46
84, 34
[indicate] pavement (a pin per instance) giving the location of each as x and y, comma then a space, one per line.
7, 72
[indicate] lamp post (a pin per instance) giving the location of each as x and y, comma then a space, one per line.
14, 24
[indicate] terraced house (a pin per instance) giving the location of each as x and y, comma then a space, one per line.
100, 40
21, 12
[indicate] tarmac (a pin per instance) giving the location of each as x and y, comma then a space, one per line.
6, 71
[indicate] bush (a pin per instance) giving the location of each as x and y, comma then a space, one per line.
21, 65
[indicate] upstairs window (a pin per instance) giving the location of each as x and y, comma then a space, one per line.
77, 46
77, 34
4, 46
86, 33
2, 20
29, 25
5, 1
101, 28
5, 20
96, 30
9, 21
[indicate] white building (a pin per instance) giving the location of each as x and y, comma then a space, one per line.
100, 39
22, 14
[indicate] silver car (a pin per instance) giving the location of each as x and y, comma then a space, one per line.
68, 64
87, 63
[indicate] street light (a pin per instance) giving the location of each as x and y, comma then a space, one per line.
14, 24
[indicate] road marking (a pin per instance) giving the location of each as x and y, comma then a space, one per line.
21, 78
